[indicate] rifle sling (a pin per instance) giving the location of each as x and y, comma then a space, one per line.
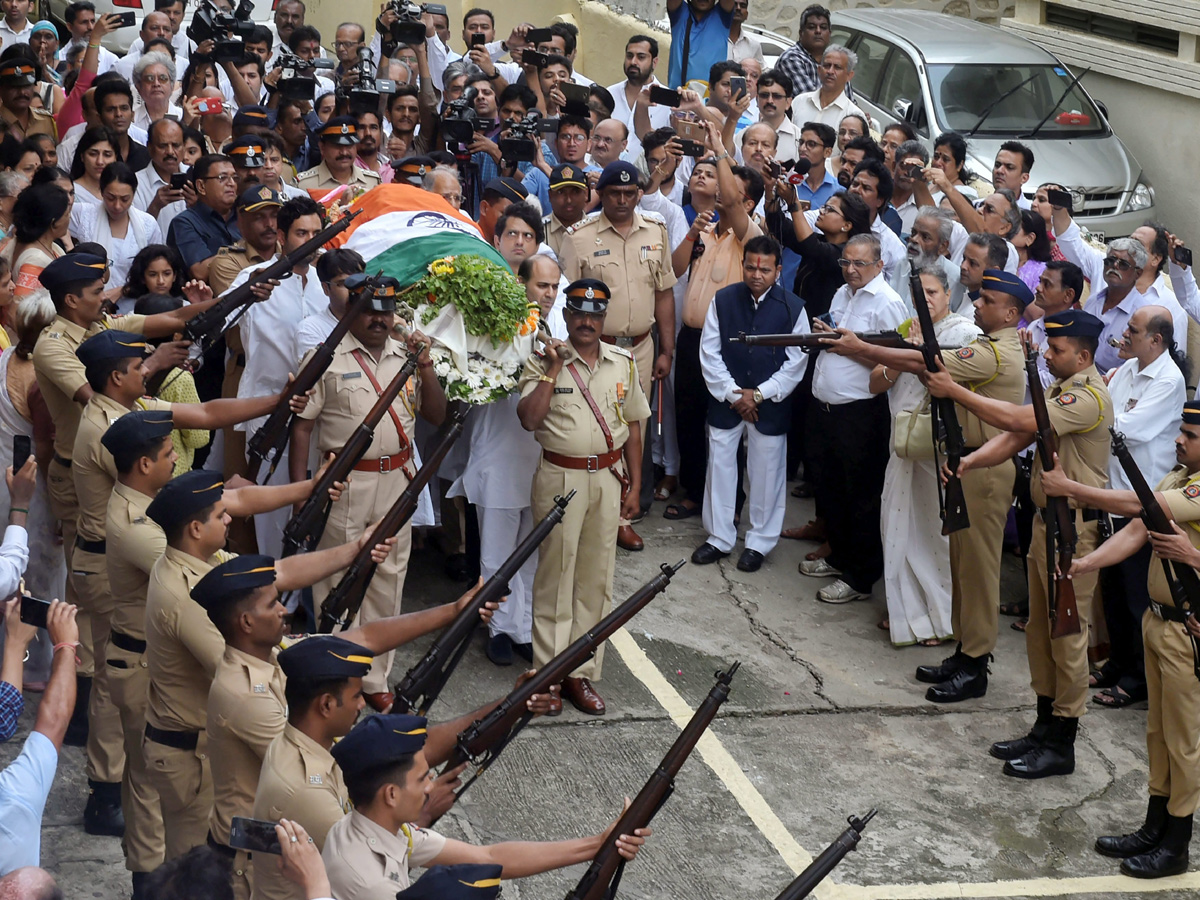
621, 476
404, 444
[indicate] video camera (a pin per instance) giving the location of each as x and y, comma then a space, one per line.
523, 139
410, 29
228, 30
461, 121
365, 94
298, 81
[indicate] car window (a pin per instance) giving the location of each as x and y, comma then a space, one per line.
900, 82
1012, 100
872, 54
843, 36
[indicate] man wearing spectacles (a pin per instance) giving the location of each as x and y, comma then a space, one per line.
199, 232
775, 94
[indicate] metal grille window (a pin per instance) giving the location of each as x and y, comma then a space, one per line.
1114, 29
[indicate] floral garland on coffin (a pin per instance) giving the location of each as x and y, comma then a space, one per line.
481, 325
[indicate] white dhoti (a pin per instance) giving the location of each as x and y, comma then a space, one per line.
766, 459
268, 526
500, 530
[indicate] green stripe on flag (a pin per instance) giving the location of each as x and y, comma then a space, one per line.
408, 261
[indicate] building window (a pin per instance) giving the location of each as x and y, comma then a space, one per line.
1111, 28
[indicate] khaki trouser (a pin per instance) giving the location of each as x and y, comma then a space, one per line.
1058, 667
643, 356
128, 681
105, 746
64, 504
366, 499
1173, 725
572, 588
242, 874
185, 792
975, 554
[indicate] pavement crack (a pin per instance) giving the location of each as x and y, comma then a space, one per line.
1057, 814
750, 609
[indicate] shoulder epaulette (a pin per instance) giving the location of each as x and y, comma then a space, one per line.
586, 220
651, 216
623, 351
308, 172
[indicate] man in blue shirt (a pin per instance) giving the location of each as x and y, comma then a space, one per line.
817, 141
701, 28
201, 230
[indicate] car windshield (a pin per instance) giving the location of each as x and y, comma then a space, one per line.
963, 93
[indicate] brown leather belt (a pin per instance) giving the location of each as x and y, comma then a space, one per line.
385, 463
590, 463
622, 341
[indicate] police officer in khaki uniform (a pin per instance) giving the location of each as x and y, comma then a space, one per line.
18, 82
1080, 412
365, 362
993, 366
631, 253
568, 189
461, 882
76, 286
337, 138
585, 404
1160, 847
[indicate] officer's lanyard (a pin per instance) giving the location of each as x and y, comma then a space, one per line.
362, 364
591, 402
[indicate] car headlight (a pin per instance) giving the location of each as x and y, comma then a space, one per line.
1141, 198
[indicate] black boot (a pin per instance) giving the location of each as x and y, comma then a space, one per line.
1170, 857
968, 682
77, 728
139, 885
944, 672
1022, 745
1054, 756
1141, 841
103, 815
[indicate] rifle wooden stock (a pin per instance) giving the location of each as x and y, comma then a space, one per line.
820, 867
1060, 532
944, 420
813, 340
603, 876
1182, 579
271, 439
482, 743
305, 527
423, 683
208, 327
343, 602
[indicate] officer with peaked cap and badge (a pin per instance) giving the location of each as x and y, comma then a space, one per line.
369, 853
18, 83
1160, 847
497, 195
569, 194
992, 366
412, 170
248, 157
584, 402
1080, 412
76, 286
461, 882
250, 120
630, 252
364, 363
338, 138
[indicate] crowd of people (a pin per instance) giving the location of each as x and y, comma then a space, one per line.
727, 267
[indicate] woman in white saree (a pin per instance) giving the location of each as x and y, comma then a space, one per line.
916, 557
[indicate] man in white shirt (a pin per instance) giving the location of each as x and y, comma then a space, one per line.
154, 193
80, 17
15, 27
268, 334
775, 93
1115, 299
829, 103
851, 427
629, 105
333, 268
741, 45
1148, 392
873, 182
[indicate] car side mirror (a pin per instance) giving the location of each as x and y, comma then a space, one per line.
1100, 105
904, 109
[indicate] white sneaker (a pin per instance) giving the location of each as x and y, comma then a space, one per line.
818, 568
840, 592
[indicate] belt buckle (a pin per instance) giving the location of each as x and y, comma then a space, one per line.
1156, 608
626, 342
385, 465
593, 463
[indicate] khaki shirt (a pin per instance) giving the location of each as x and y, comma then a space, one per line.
570, 427
1182, 493
92, 465
228, 262
344, 396
40, 122
246, 711
60, 374
299, 781
556, 234
135, 543
1080, 413
365, 861
993, 366
718, 267
183, 646
633, 267
321, 179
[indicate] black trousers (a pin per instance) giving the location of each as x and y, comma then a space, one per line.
852, 456
798, 450
1123, 590
691, 409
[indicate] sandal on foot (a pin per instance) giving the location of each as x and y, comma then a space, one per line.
884, 624
1104, 677
1018, 610
666, 488
1019, 625
810, 532
680, 511
821, 552
1115, 697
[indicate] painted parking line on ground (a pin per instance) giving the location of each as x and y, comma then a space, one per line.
1031, 887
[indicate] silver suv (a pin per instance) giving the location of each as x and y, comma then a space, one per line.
945, 73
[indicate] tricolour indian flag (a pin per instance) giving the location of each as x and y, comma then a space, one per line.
403, 229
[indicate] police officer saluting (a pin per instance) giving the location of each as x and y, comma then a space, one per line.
585, 404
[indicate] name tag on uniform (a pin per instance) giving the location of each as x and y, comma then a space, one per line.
260, 689
315, 779
348, 375
602, 253
559, 390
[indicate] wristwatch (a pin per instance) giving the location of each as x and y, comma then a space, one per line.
758, 397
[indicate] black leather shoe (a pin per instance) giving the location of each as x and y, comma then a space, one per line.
139, 885
1141, 841
500, 649
944, 671
1018, 747
456, 568
1170, 857
525, 651
1055, 755
102, 814
969, 682
750, 561
706, 553
77, 728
